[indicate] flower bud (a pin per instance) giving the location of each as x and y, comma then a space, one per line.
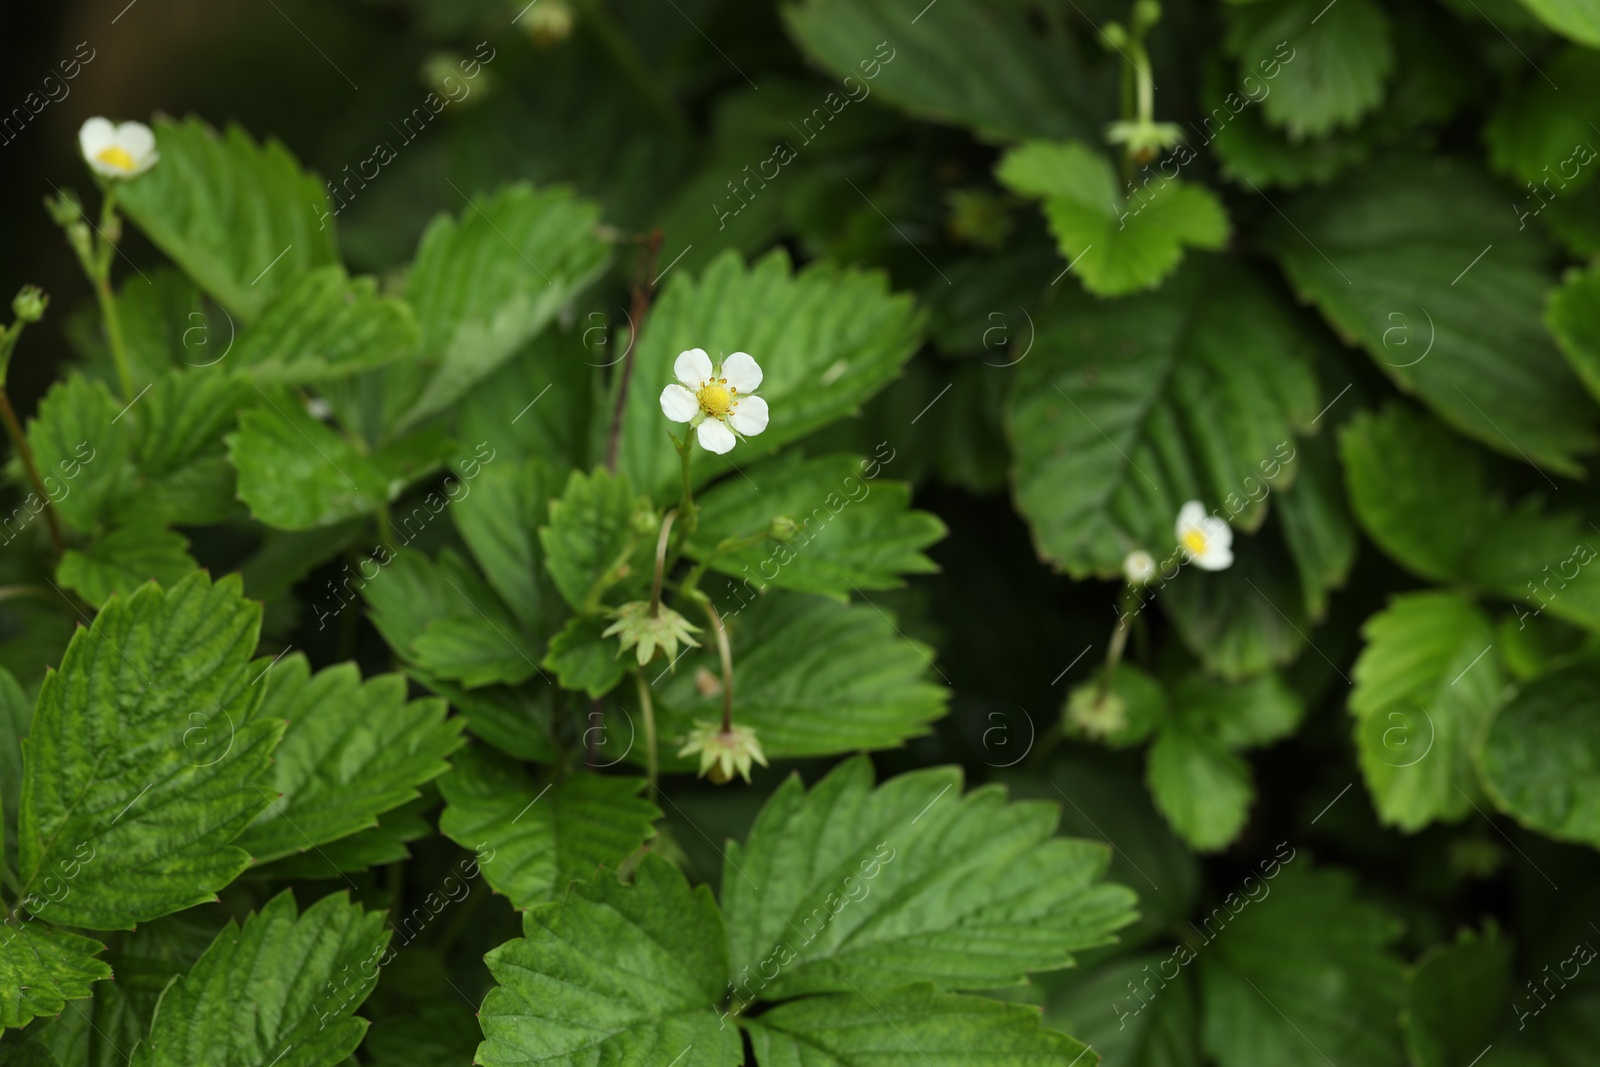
783, 529
549, 22
30, 304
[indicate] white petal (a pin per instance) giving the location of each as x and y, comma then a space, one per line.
137, 139
678, 404
1217, 532
1190, 517
715, 437
743, 372
749, 415
692, 367
1217, 557
94, 135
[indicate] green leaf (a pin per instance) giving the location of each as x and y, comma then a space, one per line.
1574, 19
1244, 620
581, 657
297, 473
1202, 788
483, 286
325, 325
498, 516
869, 536
145, 751
812, 676
1541, 759
848, 888
1130, 408
124, 559
241, 219
1541, 136
1317, 527
1423, 495
1425, 693
1414, 259
16, 713
1245, 714
26, 1054
915, 1024
1123, 1027
1573, 315
42, 968
990, 67
264, 993
541, 839
377, 846
1107, 239
1300, 976
827, 339
1340, 56
77, 443
352, 751
1454, 998
593, 541
544, 403
613, 973
446, 620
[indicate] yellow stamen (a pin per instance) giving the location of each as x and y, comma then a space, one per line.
716, 399
1194, 541
116, 156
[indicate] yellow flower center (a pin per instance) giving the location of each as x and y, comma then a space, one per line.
1194, 541
116, 156
716, 399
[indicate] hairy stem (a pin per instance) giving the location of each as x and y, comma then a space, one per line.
648, 708
20, 442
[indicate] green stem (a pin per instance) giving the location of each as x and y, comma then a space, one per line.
726, 653
661, 562
1119, 639
686, 508
19, 440
688, 586
107, 299
648, 708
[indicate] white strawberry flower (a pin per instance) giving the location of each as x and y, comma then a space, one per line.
1138, 567
123, 150
1207, 541
716, 401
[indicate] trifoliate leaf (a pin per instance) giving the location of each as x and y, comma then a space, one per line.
1244, 714
1203, 789
352, 750
1338, 59
581, 657
1248, 152
241, 219
1301, 975
1420, 262
1573, 315
84, 452
827, 339
43, 968
1454, 998
1541, 759
324, 325
1115, 242
913, 1024
613, 973
124, 559
182, 419
297, 473
1244, 620
1573, 19
849, 532
281, 990
498, 516
145, 755
943, 65
814, 678
533, 841
1426, 688
592, 542
1127, 409
485, 284
847, 888
1153, 1026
